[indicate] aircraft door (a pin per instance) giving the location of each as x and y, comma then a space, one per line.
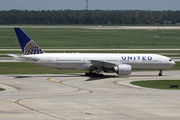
51, 60
160, 59
84, 59
160, 63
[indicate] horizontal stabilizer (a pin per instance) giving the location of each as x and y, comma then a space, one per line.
13, 55
21, 57
29, 58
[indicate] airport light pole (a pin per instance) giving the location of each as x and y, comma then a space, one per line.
86, 4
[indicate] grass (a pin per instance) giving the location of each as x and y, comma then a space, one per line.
4, 56
85, 38
116, 51
158, 84
1, 89
101, 51
74, 38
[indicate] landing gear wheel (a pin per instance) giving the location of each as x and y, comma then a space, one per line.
86, 74
101, 75
93, 74
160, 74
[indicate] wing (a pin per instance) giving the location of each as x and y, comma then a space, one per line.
96, 63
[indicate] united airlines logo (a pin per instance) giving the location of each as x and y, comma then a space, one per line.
136, 58
32, 48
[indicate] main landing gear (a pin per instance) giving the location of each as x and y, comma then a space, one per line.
160, 72
93, 74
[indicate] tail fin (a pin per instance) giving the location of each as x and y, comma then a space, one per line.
28, 46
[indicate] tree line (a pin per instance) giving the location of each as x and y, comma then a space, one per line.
89, 17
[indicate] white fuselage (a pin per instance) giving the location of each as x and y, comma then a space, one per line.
82, 60
122, 64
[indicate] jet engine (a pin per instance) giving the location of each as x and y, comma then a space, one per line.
123, 69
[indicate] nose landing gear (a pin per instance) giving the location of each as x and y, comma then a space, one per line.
160, 72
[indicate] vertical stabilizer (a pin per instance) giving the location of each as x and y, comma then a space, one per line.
28, 46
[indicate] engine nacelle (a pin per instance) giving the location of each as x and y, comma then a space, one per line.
123, 69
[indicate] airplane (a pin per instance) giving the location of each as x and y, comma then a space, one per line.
121, 64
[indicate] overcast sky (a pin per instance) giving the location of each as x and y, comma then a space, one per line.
93, 4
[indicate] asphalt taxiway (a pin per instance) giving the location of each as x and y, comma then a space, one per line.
77, 97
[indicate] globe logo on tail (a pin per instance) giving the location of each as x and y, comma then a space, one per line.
32, 48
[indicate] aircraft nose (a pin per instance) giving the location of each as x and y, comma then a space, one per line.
173, 63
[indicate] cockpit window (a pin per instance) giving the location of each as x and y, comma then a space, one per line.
170, 59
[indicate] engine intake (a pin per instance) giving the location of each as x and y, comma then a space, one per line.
123, 69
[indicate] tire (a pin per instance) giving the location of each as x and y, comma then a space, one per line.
86, 74
101, 75
160, 74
